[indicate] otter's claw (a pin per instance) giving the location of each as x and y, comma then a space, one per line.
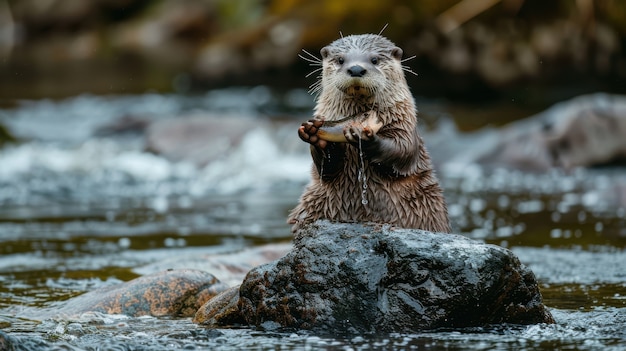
353, 134
308, 132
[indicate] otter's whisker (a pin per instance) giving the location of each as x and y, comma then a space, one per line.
311, 55
313, 72
311, 58
408, 58
408, 70
382, 30
312, 62
316, 87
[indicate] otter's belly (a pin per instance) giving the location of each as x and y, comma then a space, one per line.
360, 194
350, 204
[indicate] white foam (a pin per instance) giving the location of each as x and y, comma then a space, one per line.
248, 166
257, 163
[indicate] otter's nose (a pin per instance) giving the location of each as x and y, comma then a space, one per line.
356, 71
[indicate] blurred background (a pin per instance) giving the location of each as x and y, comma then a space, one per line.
470, 50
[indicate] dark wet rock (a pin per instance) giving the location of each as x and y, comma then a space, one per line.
176, 293
582, 132
377, 278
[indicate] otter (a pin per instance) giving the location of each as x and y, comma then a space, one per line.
379, 171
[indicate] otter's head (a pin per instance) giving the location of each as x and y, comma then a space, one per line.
363, 67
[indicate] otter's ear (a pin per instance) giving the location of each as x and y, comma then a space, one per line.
396, 53
324, 52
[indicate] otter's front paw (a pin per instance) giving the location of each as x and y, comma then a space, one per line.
308, 132
353, 134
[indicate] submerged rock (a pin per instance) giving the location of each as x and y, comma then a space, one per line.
221, 310
199, 139
12, 343
175, 293
377, 278
230, 267
585, 131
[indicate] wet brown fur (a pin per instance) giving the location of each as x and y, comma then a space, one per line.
402, 188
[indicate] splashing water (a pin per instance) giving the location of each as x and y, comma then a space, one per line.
362, 177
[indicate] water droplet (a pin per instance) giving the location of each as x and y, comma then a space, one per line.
362, 177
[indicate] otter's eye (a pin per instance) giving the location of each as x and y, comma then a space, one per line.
340, 60
374, 60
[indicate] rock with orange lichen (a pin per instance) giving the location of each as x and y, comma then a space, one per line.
221, 310
173, 293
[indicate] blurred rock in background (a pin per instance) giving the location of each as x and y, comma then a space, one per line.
464, 48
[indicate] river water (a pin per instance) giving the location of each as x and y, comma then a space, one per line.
83, 205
